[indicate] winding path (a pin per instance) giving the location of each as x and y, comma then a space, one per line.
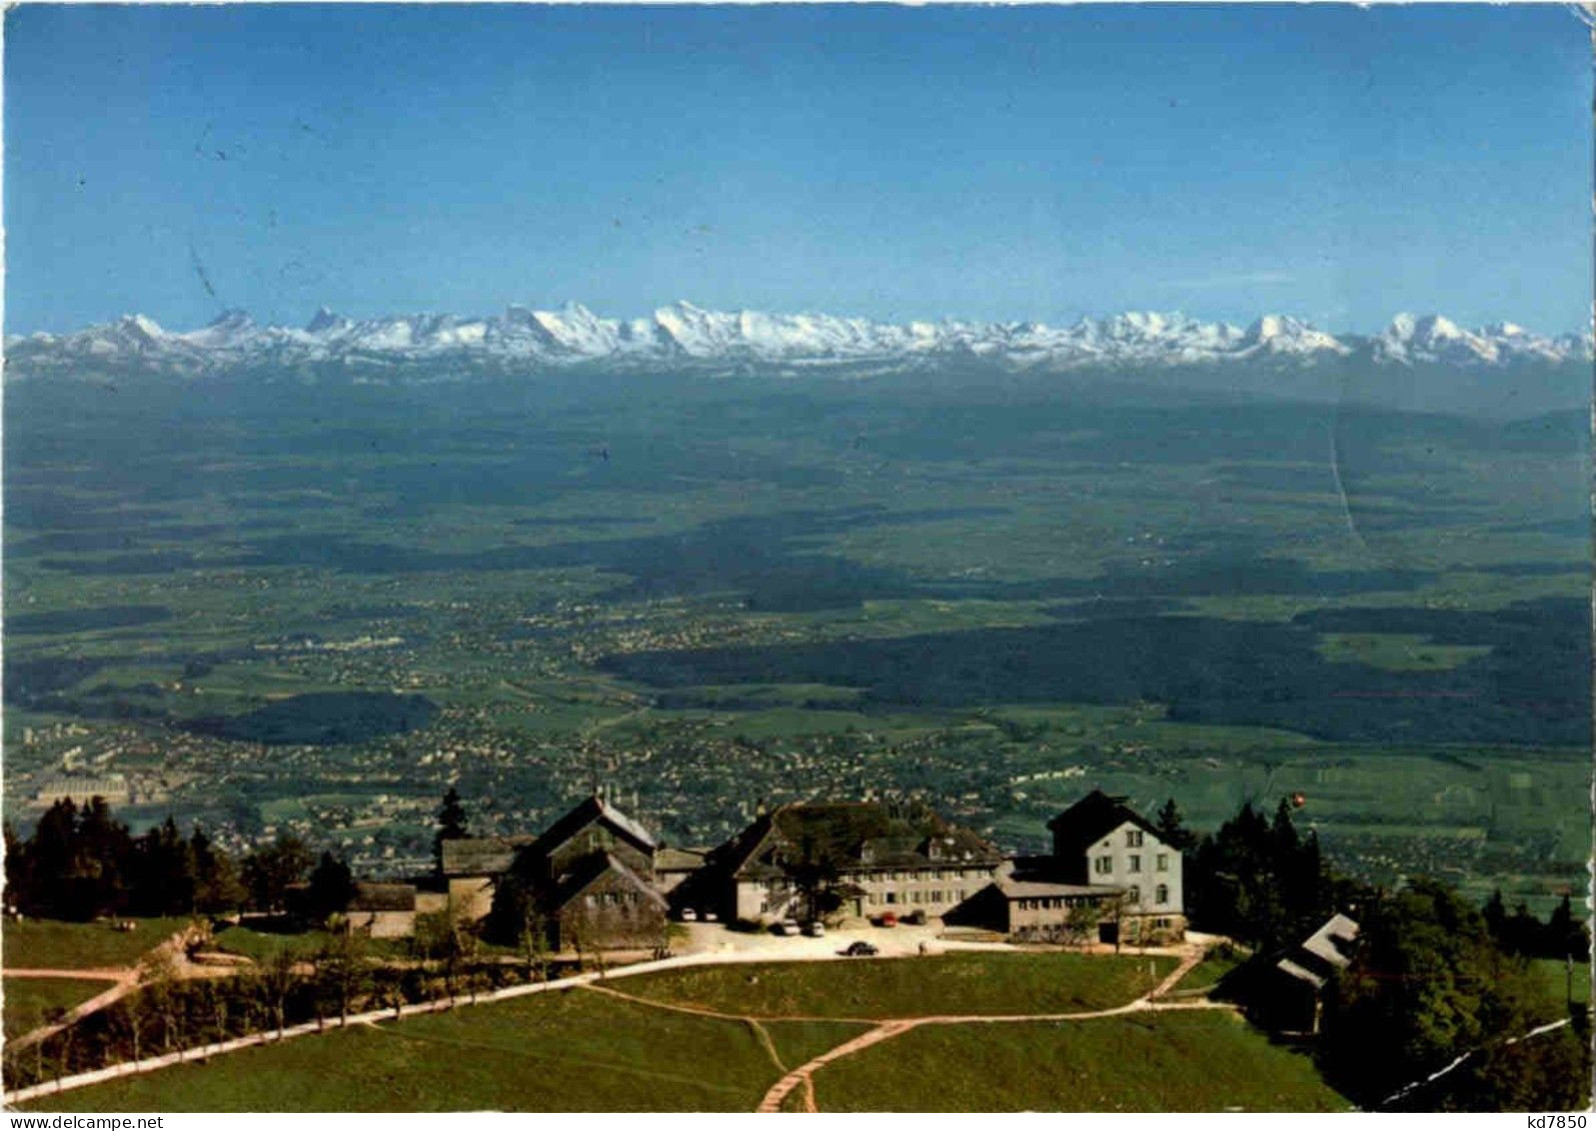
886, 1030
883, 1030
126, 979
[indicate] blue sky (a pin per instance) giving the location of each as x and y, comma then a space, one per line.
1042, 163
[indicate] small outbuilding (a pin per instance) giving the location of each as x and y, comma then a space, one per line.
383, 911
1287, 992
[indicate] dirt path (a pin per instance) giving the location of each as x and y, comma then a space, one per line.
885, 1030
126, 978
118, 1071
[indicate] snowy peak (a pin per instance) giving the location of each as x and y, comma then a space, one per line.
681, 335
1433, 339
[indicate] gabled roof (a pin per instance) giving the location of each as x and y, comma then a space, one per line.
593, 809
383, 897
737, 857
482, 855
1092, 818
1330, 942
590, 869
679, 859
1322, 953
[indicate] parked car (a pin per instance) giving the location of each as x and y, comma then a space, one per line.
711, 917
888, 919
689, 915
815, 929
916, 917
860, 949
786, 927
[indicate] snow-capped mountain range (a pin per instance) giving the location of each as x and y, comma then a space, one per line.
685, 337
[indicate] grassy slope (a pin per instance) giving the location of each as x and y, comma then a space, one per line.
40, 944
261, 945
1207, 973
951, 984
1164, 1062
29, 1002
1553, 975
579, 1050
572, 1051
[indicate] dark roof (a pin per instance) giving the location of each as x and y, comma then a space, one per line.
1035, 889
852, 835
589, 810
482, 855
738, 856
383, 897
593, 867
1092, 818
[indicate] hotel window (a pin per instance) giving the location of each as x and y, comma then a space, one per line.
1133, 838
892, 897
1163, 861
1103, 864
1134, 864
1162, 894
1135, 894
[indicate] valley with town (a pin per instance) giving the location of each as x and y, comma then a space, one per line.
715, 603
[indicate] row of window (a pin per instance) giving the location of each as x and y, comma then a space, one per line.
1057, 902
1133, 863
609, 898
1048, 903
1160, 894
892, 898
931, 874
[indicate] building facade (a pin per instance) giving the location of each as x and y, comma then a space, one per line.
1102, 843
845, 860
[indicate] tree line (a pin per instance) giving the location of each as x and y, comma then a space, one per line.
81, 864
1430, 979
169, 1014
